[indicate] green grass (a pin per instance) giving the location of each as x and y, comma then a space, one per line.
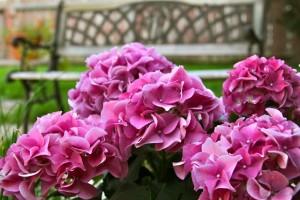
14, 90
10, 90
215, 86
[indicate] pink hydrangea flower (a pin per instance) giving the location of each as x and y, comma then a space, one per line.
270, 184
109, 75
162, 109
248, 146
64, 153
211, 168
256, 83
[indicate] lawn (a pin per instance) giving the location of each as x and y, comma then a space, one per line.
14, 90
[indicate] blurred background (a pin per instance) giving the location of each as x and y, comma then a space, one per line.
282, 26
282, 39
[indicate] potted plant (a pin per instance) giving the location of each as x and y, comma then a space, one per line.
39, 32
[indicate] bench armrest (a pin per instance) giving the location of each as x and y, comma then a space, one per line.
28, 45
22, 41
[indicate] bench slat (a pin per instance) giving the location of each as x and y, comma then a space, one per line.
234, 49
70, 6
75, 76
47, 76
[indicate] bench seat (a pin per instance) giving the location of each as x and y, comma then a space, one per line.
176, 50
75, 76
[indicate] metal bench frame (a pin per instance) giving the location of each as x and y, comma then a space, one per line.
174, 28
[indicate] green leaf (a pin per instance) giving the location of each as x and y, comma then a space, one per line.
134, 168
189, 192
170, 190
110, 185
132, 191
173, 189
233, 117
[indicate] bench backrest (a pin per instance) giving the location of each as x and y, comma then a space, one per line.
200, 27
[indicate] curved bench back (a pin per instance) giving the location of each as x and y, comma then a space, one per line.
180, 27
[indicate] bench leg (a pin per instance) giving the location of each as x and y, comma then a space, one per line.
58, 96
26, 116
28, 102
28, 105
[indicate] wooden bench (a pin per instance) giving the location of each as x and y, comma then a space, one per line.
175, 28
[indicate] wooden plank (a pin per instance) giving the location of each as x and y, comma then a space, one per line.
47, 76
9, 62
75, 76
71, 6
213, 74
26, 7
15, 62
233, 49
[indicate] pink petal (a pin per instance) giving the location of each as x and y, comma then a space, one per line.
274, 179
20, 165
165, 106
171, 122
139, 122
44, 149
58, 160
28, 142
256, 191
210, 147
78, 142
11, 183
179, 74
282, 158
114, 167
286, 193
29, 174
204, 195
97, 157
25, 192
46, 187
203, 173
274, 113
224, 182
87, 191
179, 170
211, 185
229, 163
169, 140
294, 155
37, 136
94, 134
150, 136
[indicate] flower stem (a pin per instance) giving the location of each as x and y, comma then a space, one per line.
163, 166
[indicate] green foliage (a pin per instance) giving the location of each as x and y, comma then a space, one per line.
8, 134
150, 177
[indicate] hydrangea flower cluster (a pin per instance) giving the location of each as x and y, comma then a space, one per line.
257, 83
256, 158
61, 152
135, 97
109, 75
162, 109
